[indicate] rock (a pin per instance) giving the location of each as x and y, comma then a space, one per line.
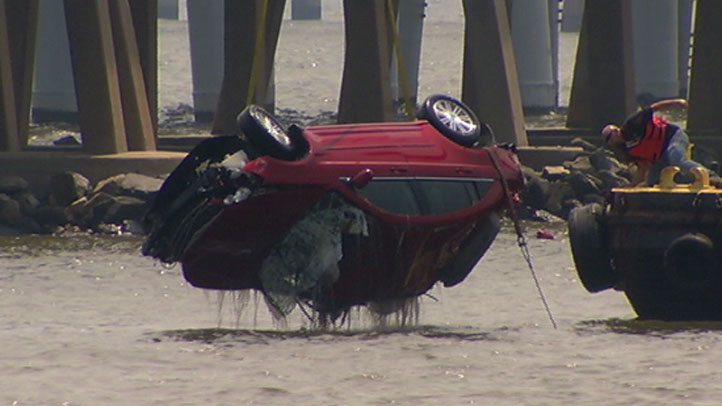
603, 160
125, 208
9, 231
583, 184
585, 145
554, 173
11, 215
130, 184
103, 208
611, 180
89, 211
580, 164
11, 185
536, 190
592, 198
28, 202
133, 227
9, 210
67, 187
67, 140
51, 216
558, 193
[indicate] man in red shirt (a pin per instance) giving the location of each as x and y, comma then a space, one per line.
652, 143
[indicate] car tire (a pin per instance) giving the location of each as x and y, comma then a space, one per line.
267, 134
589, 250
456, 121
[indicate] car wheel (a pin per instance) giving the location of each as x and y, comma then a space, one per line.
591, 256
455, 120
266, 133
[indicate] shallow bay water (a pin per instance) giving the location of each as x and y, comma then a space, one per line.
87, 320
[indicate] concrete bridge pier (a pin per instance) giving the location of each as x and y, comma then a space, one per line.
205, 29
705, 90
655, 34
251, 35
685, 35
490, 84
108, 77
411, 27
22, 22
531, 35
365, 88
53, 91
145, 23
603, 84
8, 116
306, 9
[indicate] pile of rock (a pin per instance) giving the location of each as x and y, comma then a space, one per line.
113, 205
585, 179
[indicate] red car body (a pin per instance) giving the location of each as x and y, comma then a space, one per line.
406, 178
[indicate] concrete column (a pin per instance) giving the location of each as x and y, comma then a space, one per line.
53, 91
411, 27
145, 21
490, 82
205, 28
603, 84
22, 23
244, 75
95, 75
705, 87
365, 87
8, 116
554, 28
168, 9
136, 112
572, 15
685, 31
531, 36
306, 9
655, 37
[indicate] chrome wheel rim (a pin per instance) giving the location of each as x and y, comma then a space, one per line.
454, 117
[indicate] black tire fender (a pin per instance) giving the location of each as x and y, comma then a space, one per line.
690, 262
589, 248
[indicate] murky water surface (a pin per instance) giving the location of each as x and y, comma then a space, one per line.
88, 321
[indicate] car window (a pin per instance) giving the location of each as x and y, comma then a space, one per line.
392, 195
447, 195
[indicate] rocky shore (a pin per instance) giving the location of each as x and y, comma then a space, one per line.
558, 189
117, 204
70, 203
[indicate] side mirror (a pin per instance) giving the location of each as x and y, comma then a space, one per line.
361, 179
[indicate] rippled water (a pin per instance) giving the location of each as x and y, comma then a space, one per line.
86, 320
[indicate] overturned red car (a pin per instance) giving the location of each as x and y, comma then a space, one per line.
336, 216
